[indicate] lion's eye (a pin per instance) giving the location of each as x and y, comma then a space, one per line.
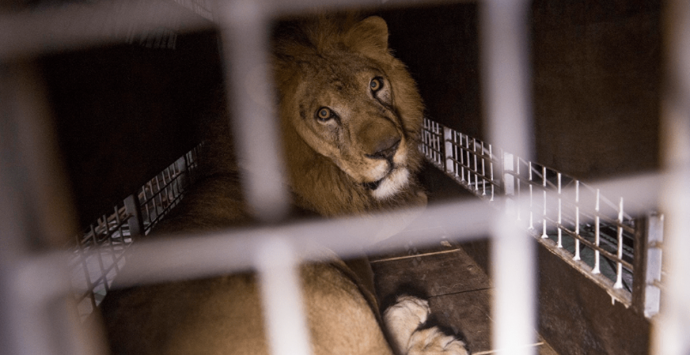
324, 114
376, 84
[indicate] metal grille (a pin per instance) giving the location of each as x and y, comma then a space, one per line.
99, 252
572, 219
92, 273
162, 193
28, 276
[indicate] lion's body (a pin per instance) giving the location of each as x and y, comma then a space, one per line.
350, 116
222, 315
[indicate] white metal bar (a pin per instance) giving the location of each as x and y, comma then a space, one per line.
245, 32
202, 256
457, 155
461, 155
517, 182
560, 213
448, 151
491, 171
72, 26
281, 297
508, 178
671, 328
483, 157
475, 168
655, 238
619, 252
503, 25
543, 219
597, 236
577, 220
468, 160
531, 197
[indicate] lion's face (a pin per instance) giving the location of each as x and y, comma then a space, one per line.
348, 115
351, 116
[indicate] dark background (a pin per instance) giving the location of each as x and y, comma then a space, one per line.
596, 68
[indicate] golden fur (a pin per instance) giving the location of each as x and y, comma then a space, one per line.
336, 165
331, 64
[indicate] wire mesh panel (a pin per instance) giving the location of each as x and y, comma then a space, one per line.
92, 273
465, 159
574, 220
165, 191
98, 253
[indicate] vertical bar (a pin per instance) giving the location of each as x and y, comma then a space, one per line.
118, 229
560, 214
456, 141
476, 166
517, 182
647, 264
508, 179
282, 300
135, 223
245, 35
577, 220
543, 220
448, 152
468, 161
422, 146
439, 145
462, 158
99, 255
159, 196
597, 234
34, 212
85, 268
653, 263
491, 170
484, 170
503, 28
531, 197
619, 254
670, 330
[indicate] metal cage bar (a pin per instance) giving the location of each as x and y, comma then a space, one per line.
670, 329
572, 222
36, 276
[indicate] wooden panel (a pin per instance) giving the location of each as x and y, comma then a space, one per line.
577, 317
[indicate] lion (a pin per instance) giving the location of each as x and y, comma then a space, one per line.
350, 117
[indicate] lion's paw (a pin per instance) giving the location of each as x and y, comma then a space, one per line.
433, 341
408, 310
403, 318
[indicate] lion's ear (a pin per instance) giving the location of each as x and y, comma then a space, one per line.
372, 31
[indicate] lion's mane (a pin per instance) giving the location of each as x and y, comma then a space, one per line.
319, 184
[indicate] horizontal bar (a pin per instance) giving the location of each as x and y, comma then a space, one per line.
165, 259
212, 254
643, 189
71, 26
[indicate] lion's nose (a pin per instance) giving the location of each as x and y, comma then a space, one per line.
386, 149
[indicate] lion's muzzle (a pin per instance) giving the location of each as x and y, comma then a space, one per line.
386, 149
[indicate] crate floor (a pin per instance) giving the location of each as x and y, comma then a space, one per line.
458, 290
